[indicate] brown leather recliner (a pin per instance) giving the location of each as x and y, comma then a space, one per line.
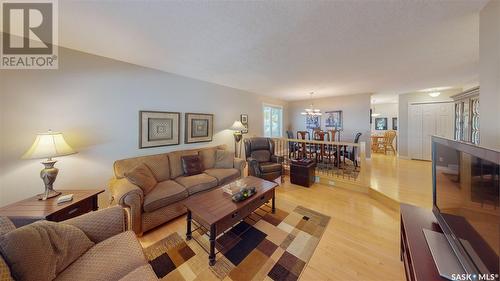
262, 162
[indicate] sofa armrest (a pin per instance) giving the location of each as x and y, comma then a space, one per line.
240, 164
102, 224
253, 167
129, 196
277, 159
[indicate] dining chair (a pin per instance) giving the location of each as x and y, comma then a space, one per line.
386, 143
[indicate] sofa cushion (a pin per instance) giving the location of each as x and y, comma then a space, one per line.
46, 246
142, 177
111, 259
261, 155
269, 167
6, 225
223, 176
143, 273
197, 183
191, 165
176, 162
208, 157
158, 164
224, 159
164, 194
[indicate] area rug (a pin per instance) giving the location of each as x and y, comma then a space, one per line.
264, 246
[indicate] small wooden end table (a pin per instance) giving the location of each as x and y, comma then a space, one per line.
215, 210
30, 210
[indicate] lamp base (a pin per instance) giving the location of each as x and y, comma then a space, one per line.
48, 175
48, 194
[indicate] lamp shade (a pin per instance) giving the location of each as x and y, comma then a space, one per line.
48, 145
237, 126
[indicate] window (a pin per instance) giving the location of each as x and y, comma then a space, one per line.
273, 120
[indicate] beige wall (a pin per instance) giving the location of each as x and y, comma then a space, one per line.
489, 74
386, 110
416, 97
95, 102
355, 111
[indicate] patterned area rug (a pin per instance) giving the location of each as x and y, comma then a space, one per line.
264, 246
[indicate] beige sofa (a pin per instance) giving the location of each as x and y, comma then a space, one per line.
165, 201
116, 254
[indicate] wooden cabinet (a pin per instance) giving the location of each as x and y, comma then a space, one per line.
467, 116
415, 254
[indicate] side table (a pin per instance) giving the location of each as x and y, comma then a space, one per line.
31, 209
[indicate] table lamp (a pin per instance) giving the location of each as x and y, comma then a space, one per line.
237, 127
48, 145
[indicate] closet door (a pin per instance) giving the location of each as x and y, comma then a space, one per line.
429, 113
415, 131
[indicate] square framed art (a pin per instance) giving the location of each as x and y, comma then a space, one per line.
158, 128
199, 127
334, 119
381, 123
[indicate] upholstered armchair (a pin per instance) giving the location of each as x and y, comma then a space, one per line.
262, 162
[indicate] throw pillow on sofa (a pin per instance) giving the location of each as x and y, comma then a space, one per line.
224, 159
142, 177
43, 249
191, 165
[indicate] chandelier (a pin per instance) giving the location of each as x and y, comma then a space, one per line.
311, 111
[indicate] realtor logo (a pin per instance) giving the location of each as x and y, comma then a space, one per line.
29, 34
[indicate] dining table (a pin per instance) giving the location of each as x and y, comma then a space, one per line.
376, 139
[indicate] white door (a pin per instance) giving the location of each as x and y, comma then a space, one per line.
415, 131
424, 121
428, 129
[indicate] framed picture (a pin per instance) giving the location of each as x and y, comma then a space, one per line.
199, 127
334, 119
381, 123
394, 123
313, 122
244, 121
158, 128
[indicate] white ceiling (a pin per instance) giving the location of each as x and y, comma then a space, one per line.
287, 49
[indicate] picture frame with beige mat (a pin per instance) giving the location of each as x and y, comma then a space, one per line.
159, 128
199, 127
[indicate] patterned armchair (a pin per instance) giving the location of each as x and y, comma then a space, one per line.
262, 162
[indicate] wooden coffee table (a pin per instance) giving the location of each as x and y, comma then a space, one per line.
215, 211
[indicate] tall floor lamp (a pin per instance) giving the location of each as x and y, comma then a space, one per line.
237, 127
48, 145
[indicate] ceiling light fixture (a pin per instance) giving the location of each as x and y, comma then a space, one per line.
434, 94
311, 111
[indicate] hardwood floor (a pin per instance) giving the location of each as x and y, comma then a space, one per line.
361, 241
406, 181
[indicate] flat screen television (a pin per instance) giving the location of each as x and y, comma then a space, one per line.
467, 204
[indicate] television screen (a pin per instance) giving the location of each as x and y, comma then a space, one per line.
466, 194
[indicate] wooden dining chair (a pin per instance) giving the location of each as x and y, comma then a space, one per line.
386, 143
303, 135
331, 134
320, 149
